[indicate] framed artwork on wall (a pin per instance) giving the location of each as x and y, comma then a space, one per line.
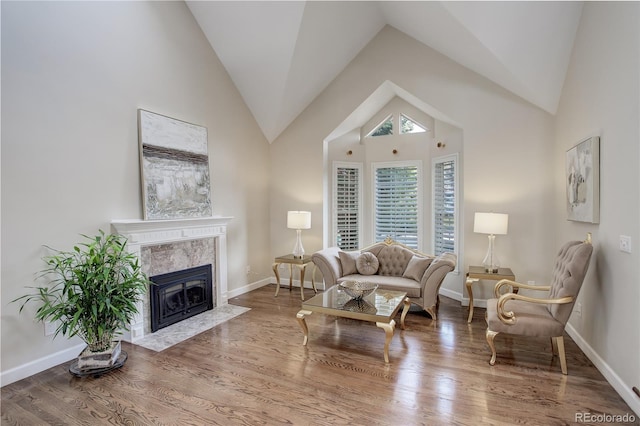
174, 166
583, 181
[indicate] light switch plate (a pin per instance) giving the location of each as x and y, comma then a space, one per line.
625, 243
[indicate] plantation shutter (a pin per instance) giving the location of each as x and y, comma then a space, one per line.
347, 207
396, 204
444, 206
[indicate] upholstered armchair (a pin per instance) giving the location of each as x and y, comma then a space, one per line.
541, 317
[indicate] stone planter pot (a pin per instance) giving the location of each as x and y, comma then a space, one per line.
88, 360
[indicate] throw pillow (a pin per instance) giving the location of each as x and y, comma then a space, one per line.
416, 267
348, 262
367, 264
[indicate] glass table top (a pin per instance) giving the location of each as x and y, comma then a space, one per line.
381, 305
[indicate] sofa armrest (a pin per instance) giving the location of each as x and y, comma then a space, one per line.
434, 276
328, 261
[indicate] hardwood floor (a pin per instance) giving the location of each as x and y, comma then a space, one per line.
254, 370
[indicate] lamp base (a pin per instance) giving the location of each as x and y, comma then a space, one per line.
491, 262
298, 250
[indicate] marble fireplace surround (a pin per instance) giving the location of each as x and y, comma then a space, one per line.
147, 234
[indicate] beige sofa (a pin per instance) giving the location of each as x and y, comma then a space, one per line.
392, 266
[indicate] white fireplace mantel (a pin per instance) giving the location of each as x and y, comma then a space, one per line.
141, 233
157, 231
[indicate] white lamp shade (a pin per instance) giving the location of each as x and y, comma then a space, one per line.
298, 220
491, 223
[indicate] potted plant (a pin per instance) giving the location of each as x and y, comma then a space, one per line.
92, 294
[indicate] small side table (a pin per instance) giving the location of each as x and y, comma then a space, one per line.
477, 273
299, 263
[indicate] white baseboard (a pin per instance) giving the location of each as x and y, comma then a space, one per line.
266, 281
623, 389
455, 295
39, 365
464, 301
247, 288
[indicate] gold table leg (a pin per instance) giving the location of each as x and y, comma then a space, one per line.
302, 269
313, 278
469, 284
290, 276
275, 272
405, 310
303, 324
388, 331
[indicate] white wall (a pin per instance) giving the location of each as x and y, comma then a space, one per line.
507, 143
601, 97
73, 76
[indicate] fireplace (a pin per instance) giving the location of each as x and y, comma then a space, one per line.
179, 295
172, 245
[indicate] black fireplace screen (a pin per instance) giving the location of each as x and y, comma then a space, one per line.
179, 295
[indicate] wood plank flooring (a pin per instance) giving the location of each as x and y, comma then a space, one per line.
253, 370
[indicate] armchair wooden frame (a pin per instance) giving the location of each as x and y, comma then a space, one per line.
509, 317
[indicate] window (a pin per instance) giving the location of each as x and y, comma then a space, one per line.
347, 204
385, 128
407, 125
445, 206
397, 195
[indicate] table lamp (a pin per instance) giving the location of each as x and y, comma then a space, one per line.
492, 224
298, 220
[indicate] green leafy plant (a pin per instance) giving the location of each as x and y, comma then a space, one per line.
93, 290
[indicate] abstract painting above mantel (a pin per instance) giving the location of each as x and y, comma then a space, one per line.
175, 168
583, 181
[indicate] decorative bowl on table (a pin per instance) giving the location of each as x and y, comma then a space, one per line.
359, 305
358, 289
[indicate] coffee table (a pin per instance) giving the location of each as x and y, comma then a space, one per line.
379, 307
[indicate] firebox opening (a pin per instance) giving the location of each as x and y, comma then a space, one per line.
179, 295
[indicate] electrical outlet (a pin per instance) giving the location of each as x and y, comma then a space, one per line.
625, 243
577, 308
248, 269
531, 282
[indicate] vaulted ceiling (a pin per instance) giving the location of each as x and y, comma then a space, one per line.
282, 54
